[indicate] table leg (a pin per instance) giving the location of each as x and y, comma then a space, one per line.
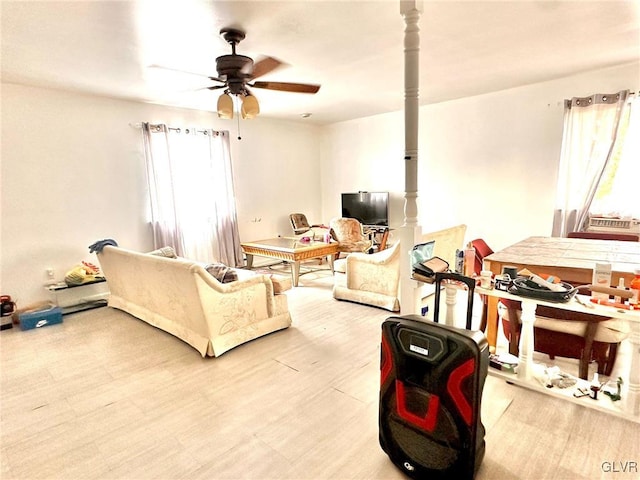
295, 273
383, 242
492, 322
525, 357
514, 331
589, 335
249, 260
330, 260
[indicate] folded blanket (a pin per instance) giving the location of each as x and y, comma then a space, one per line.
100, 244
168, 252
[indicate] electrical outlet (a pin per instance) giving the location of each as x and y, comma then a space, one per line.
50, 272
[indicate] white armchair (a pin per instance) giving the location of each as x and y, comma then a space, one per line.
371, 279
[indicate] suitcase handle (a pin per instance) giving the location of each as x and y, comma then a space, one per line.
468, 281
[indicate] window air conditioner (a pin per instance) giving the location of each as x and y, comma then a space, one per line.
615, 225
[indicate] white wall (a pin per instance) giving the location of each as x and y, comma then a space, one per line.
73, 172
365, 154
277, 171
488, 161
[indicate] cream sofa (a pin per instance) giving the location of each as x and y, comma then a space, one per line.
447, 241
374, 279
180, 297
371, 279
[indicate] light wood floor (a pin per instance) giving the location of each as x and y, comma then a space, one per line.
107, 396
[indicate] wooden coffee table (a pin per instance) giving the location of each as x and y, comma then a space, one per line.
291, 250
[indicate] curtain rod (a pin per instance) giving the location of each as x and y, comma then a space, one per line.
178, 129
615, 93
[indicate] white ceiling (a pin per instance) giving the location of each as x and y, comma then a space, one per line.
353, 48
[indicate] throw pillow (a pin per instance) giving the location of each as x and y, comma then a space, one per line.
280, 283
168, 252
221, 272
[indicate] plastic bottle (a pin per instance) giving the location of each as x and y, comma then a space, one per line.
469, 260
618, 298
459, 262
635, 288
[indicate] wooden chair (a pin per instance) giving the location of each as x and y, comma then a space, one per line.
622, 237
482, 250
300, 224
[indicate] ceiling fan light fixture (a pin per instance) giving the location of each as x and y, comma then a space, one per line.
225, 106
250, 108
237, 72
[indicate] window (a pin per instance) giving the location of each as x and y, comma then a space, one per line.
621, 177
192, 200
598, 158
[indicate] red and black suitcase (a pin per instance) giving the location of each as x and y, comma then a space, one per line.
431, 382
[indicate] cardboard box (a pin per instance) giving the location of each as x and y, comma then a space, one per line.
601, 278
40, 318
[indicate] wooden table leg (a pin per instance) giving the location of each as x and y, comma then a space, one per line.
492, 322
295, 273
589, 335
383, 242
330, 260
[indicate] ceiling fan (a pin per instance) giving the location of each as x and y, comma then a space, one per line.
238, 72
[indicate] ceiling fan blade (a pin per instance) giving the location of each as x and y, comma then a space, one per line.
169, 69
214, 87
287, 87
161, 67
265, 65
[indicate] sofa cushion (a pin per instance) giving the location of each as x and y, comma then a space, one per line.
281, 283
221, 272
168, 252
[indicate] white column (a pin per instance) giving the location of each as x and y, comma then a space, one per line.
525, 356
451, 298
410, 232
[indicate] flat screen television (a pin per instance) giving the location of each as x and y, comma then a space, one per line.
370, 208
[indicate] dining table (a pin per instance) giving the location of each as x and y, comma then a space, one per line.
572, 260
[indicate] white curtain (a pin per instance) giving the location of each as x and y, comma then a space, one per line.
590, 129
616, 197
192, 200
